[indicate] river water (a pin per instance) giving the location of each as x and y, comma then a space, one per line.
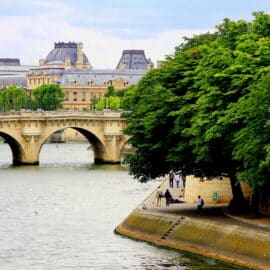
62, 214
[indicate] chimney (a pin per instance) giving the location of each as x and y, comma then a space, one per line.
79, 63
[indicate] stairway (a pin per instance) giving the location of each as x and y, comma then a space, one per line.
172, 228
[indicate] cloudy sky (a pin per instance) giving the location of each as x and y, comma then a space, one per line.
29, 28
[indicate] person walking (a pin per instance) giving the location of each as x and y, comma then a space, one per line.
200, 204
159, 196
177, 180
171, 178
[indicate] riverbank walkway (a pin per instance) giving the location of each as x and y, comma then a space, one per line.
240, 240
211, 211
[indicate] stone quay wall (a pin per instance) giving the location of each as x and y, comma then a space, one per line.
239, 245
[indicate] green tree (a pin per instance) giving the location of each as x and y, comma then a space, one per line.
251, 142
127, 98
149, 125
111, 102
179, 111
48, 97
14, 98
111, 92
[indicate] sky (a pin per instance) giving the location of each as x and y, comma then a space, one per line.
29, 28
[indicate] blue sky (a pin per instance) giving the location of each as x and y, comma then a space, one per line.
30, 27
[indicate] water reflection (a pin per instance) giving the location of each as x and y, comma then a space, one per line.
62, 214
66, 154
5, 155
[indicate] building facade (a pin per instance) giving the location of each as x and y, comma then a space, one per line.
68, 66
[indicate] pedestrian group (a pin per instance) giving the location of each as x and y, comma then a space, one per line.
175, 180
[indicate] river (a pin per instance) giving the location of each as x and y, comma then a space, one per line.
62, 214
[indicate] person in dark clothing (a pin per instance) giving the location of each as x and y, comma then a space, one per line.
168, 197
184, 180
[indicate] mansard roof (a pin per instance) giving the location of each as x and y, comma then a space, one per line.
16, 80
100, 76
14, 70
52, 69
134, 59
10, 62
63, 50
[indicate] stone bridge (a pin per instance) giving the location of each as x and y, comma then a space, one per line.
27, 131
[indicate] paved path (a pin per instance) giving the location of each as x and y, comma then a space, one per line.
213, 212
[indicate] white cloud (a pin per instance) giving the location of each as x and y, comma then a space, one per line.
29, 28
30, 38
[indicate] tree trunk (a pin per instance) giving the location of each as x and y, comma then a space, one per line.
254, 202
238, 204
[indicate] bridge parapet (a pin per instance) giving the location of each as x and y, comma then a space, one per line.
29, 113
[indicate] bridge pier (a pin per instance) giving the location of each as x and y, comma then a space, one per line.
30, 155
111, 153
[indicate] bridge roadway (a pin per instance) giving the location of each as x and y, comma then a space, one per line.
27, 131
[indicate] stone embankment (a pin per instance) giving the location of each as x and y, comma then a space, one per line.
213, 234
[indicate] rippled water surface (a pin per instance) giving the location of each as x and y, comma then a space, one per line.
62, 213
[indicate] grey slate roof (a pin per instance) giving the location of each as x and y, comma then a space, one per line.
16, 80
13, 70
82, 77
134, 59
63, 50
10, 62
54, 69
100, 76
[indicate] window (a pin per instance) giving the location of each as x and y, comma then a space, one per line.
83, 96
74, 96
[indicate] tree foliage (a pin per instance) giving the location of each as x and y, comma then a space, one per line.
14, 98
48, 97
111, 100
200, 111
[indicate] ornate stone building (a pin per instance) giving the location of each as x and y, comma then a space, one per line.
67, 65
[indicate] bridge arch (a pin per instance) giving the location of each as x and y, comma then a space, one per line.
98, 145
27, 131
16, 148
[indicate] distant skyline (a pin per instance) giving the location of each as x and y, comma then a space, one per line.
106, 27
